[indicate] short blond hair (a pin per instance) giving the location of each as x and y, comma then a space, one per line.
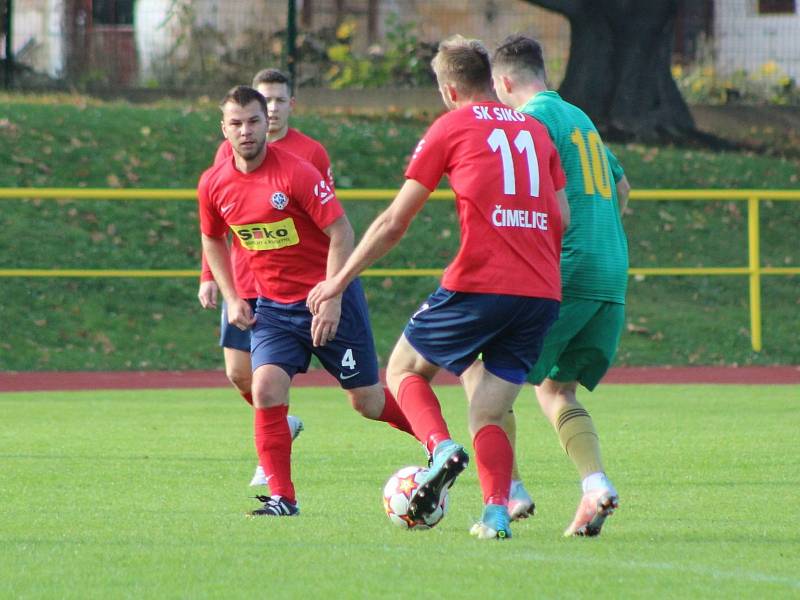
463, 63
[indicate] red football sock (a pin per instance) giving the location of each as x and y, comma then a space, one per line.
274, 447
421, 407
494, 457
248, 396
393, 415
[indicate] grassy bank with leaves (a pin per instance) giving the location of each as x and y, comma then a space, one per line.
157, 324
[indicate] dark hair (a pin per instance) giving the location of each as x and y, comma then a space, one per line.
244, 95
271, 76
521, 53
464, 63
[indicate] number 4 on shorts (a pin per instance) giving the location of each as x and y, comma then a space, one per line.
348, 360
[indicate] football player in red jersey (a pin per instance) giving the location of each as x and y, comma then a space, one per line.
499, 295
275, 86
294, 233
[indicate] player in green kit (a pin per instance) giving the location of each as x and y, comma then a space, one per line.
581, 345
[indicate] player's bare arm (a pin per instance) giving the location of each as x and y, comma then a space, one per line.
563, 204
326, 320
383, 235
216, 251
623, 192
208, 294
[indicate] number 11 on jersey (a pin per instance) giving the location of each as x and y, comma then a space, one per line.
498, 140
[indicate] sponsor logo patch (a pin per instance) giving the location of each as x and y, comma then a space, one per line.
267, 236
323, 192
343, 377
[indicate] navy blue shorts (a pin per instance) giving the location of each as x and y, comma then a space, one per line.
282, 336
230, 336
451, 329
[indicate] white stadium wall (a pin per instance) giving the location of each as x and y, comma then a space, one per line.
746, 39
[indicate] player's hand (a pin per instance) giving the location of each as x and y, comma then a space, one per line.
208, 293
326, 321
240, 314
324, 290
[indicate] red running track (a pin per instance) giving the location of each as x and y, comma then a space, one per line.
112, 380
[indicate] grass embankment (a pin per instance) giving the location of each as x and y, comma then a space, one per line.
157, 324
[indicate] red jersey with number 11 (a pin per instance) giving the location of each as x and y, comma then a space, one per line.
505, 172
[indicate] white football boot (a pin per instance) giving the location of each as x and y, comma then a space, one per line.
599, 502
520, 503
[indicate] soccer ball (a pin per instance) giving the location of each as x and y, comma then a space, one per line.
398, 491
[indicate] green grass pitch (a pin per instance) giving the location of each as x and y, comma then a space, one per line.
142, 494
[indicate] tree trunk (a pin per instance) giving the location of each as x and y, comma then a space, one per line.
619, 66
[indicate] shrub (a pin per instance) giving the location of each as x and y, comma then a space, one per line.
402, 61
701, 83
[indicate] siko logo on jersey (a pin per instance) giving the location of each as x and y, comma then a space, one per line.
324, 192
267, 236
279, 200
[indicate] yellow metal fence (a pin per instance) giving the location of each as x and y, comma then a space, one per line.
753, 270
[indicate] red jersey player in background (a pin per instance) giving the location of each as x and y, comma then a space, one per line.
499, 295
294, 233
275, 86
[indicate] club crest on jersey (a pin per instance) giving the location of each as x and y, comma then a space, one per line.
279, 200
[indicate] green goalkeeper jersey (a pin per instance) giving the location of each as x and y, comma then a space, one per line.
594, 253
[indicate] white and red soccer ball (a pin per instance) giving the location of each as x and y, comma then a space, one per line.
398, 491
